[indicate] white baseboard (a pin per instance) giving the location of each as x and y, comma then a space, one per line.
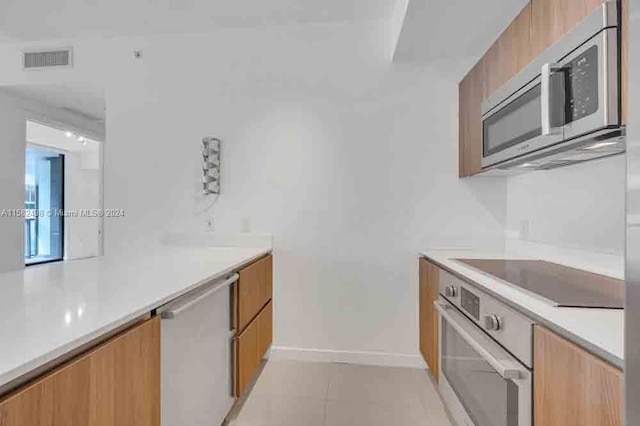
349, 357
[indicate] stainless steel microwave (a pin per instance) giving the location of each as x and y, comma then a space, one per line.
564, 107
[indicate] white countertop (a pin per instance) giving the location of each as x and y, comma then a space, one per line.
49, 310
600, 331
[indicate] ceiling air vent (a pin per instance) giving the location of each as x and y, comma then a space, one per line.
49, 58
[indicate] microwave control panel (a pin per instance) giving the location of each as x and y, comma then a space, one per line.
581, 82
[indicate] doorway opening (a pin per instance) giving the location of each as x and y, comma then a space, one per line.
63, 195
44, 204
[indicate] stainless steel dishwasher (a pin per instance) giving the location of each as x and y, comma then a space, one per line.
197, 350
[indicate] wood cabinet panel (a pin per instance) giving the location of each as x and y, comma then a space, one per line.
116, 384
509, 54
252, 344
265, 329
552, 19
490, 74
248, 358
255, 288
470, 95
573, 387
429, 292
514, 46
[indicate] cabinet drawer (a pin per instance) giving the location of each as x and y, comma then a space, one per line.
118, 383
252, 344
255, 288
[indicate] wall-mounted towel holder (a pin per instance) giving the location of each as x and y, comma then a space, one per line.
211, 166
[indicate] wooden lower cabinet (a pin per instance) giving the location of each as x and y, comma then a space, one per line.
429, 293
573, 387
255, 288
115, 384
252, 344
265, 329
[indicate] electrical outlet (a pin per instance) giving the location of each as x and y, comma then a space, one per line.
209, 225
246, 225
525, 228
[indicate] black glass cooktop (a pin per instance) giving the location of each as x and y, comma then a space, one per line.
560, 285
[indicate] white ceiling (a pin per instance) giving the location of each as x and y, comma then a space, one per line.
30, 20
80, 100
445, 29
57, 139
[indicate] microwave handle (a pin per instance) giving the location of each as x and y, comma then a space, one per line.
508, 372
548, 70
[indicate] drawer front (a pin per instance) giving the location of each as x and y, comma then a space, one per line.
248, 360
252, 344
255, 288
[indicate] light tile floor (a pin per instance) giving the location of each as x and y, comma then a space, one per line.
292, 393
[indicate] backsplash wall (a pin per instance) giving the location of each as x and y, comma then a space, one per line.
580, 206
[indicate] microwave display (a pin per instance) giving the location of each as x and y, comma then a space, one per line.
581, 82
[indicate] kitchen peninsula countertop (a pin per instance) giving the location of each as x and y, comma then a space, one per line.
47, 311
600, 331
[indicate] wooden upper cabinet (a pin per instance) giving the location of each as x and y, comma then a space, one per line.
573, 387
429, 293
515, 46
510, 53
116, 384
552, 19
505, 58
490, 74
470, 94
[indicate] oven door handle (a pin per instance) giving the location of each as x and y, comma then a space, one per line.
507, 366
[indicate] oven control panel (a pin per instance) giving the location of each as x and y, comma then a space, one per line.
510, 328
470, 303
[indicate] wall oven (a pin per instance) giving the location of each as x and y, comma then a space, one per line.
565, 106
485, 353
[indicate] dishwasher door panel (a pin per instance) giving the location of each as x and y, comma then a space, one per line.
196, 370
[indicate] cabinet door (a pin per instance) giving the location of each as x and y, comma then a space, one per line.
470, 94
248, 356
116, 384
552, 19
573, 387
514, 46
255, 287
509, 55
429, 274
252, 344
265, 329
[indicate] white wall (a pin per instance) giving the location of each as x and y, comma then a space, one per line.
349, 161
580, 206
12, 176
82, 191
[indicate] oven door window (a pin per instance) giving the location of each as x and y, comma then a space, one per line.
488, 399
